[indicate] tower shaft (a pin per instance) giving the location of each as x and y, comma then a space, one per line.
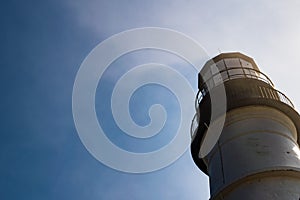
257, 155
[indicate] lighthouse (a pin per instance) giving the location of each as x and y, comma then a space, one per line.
256, 154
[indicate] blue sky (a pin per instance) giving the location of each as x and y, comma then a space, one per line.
43, 44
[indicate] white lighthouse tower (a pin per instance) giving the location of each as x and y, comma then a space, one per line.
257, 155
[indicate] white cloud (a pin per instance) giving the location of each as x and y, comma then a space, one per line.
266, 30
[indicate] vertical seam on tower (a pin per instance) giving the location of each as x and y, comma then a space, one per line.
221, 158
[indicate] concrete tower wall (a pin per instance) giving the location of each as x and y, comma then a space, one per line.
258, 145
276, 186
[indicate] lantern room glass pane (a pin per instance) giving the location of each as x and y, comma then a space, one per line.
224, 75
221, 65
246, 64
207, 75
236, 73
232, 62
218, 79
250, 73
214, 69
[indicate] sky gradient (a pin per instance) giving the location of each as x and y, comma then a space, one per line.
43, 44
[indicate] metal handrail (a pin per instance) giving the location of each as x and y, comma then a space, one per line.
267, 79
283, 98
194, 126
264, 92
